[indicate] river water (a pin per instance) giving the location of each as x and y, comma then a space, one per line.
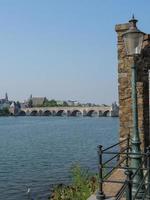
37, 152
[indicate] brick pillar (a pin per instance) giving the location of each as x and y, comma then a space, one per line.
124, 88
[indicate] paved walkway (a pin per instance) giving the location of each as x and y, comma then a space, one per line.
111, 189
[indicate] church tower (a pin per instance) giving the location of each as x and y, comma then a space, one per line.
6, 96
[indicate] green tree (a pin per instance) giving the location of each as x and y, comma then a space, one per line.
53, 102
30, 103
65, 103
4, 112
50, 103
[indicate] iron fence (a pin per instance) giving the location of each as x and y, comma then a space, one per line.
120, 160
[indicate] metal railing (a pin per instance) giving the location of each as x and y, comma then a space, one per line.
120, 160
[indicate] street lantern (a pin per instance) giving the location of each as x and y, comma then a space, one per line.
133, 38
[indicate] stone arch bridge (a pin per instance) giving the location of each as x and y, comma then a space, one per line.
70, 111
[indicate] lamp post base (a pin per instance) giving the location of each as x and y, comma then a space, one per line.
136, 165
100, 196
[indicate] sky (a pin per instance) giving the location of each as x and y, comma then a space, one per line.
63, 49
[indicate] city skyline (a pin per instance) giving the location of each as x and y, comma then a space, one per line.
6, 97
63, 49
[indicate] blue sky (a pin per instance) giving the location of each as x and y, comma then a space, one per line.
63, 49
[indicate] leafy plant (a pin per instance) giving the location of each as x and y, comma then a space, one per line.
83, 185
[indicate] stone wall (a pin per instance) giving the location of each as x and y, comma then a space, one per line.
124, 88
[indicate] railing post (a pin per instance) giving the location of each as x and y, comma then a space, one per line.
129, 173
100, 194
148, 168
128, 146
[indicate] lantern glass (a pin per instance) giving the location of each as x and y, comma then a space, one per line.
133, 42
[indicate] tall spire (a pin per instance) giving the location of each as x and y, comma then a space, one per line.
6, 96
30, 97
133, 16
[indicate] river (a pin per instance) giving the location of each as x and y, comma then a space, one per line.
37, 152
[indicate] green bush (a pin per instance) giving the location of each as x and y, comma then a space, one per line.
4, 112
83, 185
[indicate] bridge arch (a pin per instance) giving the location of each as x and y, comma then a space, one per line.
60, 113
76, 113
34, 113
106, 113
47, 113
92, 113
22, 113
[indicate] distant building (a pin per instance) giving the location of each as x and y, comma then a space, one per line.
4, 103
73, 103
14, 108
114, 110
38, 101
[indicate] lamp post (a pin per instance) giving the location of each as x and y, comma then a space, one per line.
133, 39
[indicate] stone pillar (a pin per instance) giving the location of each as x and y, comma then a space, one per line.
124, 88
